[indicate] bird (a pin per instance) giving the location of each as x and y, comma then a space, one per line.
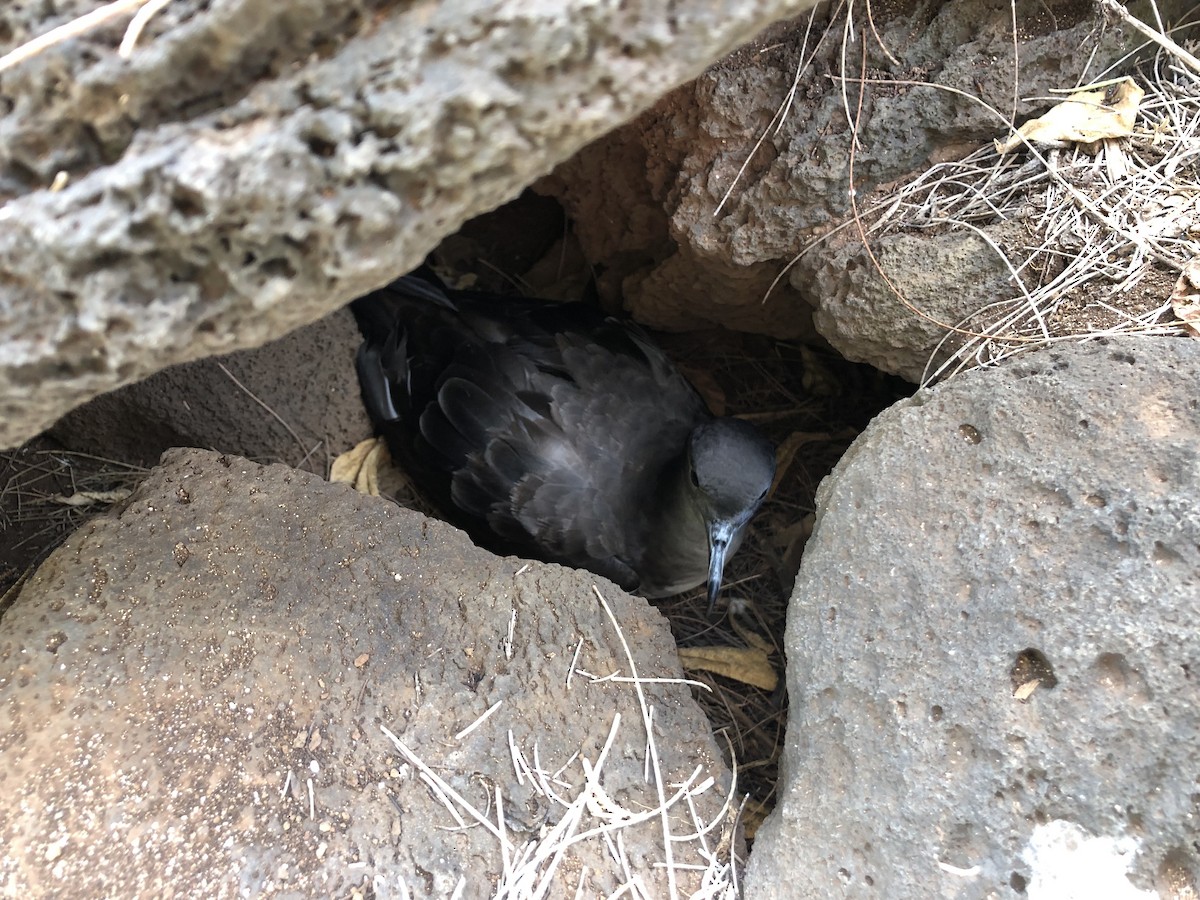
548, 430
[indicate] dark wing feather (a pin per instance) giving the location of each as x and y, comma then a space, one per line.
543, 425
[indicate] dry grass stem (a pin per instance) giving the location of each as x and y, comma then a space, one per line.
1091, 236
278, 418
41, 487
588, 813
146, 9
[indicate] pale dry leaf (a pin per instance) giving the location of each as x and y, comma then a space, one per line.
346, 467
1185, 298
1085, 116
818, 379
367, 481
790, 542
1025, 691
368, 468
749, 636
87, 498
755, 814
746, 665
1115, 160
785, 453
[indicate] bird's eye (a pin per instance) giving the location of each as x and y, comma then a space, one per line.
695, 478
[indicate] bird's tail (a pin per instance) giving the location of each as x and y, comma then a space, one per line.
381, 313
382, 359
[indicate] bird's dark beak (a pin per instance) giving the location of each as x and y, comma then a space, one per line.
720, 535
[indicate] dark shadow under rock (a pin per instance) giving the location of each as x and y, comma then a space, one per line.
196, 688
293, 400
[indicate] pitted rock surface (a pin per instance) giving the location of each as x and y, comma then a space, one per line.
256, 164
193, 692
698, 220
994, 630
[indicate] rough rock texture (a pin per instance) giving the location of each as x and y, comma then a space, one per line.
257, 163
655, 232
307, 379
943, 276
1032, 528
193, 693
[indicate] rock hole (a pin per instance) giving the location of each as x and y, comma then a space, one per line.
320, 147
109, 259
1164, 555
1176, 875
116, 327
184, 273
1017, 882
278, 267
1031, 671
1114, 672
187, 202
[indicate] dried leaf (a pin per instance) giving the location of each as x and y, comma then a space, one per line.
789, 543
1085, 116
346, 467
368, 467
1115, 160
785, 453
754, 816
749, 635
1185, 298
818, 379
86, 498
739, 663
1025, 691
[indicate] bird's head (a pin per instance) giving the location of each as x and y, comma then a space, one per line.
731, 466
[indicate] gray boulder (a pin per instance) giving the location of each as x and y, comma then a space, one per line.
992, 642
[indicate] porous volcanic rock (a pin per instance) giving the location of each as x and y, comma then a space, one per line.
194, 692
992, 641
255, 164
751, 168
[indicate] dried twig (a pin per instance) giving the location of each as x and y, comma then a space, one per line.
146, 9
1118, 10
